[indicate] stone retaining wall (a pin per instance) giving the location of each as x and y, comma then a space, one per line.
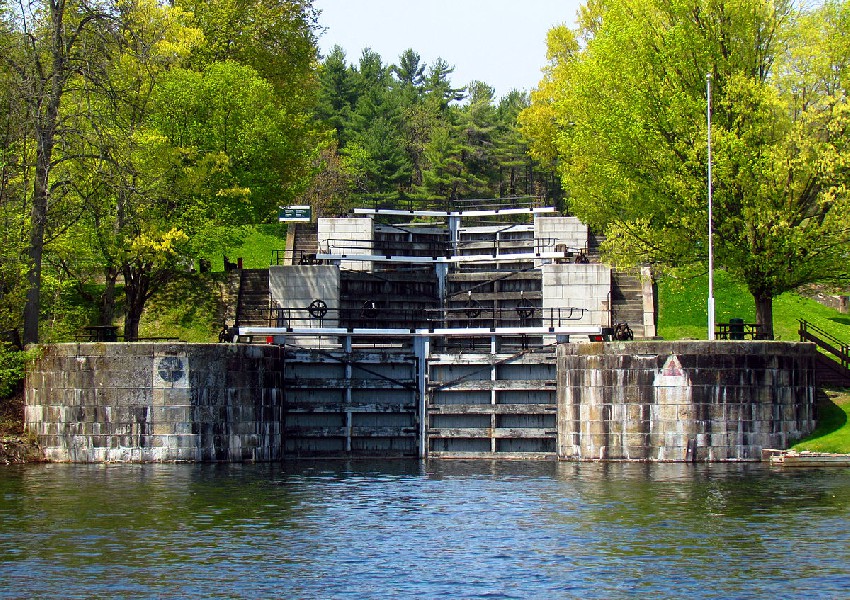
156, 402
646, 400
683, 401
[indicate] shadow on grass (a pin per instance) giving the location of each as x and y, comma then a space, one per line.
831, 418
840, 320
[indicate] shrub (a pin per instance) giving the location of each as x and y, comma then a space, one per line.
13, 365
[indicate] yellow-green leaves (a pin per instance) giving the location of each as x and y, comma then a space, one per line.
625, 116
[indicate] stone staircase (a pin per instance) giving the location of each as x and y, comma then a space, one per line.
832, 362
829, 373
305, 243
594, 241
627, 300
252, 306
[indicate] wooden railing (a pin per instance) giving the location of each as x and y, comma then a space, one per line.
826, 342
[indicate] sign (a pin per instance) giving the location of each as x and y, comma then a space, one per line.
295, 214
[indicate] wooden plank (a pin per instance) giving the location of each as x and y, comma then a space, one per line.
486, 276
495, 455
483, 385
837, 352
494, 409
487, 432
303, 383
306, 357
354, 432
339, 407
528, 358
493, 297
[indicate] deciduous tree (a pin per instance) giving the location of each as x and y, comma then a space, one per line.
45, 46
623, 108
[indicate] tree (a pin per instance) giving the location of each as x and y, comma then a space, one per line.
277, 38
337, 94
438, 84
214, 153
130, 159
626, 110
410, 71
13, 196
47, 45
147, 134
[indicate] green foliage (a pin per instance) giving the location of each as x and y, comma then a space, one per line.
402, 136
13, 365
276, 39
140, 135
683, 309
624, 100
66, 308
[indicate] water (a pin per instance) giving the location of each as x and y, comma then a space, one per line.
424, 530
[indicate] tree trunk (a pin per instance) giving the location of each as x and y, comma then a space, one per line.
136, 285
41, 190
764, 315
50, 93
107, 303
32, 308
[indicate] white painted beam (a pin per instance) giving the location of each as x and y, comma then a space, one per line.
454, 213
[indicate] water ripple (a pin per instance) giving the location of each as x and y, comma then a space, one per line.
451, 529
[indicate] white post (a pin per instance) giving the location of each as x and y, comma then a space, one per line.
422, 349
710, 216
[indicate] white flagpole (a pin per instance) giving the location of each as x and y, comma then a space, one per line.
710, 229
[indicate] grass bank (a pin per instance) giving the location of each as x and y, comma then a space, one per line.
683, 309
833, 430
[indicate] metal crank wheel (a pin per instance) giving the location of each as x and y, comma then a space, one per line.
524, 310
318, 309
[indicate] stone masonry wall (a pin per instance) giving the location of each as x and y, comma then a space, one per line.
644, 400
145, 402
569, 231
349, 236
683, 401
295, 287
585, 286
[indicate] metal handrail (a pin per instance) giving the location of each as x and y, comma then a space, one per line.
299, 257
374, 316
339, 246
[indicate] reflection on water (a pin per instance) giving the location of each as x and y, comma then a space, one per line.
409, 529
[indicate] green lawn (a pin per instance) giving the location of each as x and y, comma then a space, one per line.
683, 310
190, 308
833, 430
255, 248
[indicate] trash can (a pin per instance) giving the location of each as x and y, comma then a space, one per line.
736, 329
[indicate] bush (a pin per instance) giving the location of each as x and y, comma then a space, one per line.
13, 365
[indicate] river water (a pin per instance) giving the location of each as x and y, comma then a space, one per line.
408, 529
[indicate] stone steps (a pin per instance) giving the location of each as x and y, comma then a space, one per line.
305, 242
829, 372
254, 298
627, 300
